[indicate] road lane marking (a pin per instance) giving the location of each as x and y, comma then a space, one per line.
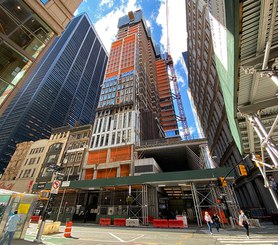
135, 238
116, 237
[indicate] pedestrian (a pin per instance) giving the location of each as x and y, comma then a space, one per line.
209, 221
243, 221
273, 184
216, 220
86, 215
10, 228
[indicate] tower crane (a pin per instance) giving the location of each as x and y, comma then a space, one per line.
173, 78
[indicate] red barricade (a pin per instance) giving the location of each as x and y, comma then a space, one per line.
119, 221
105, 221
35, 218
173, 223
160, 223
150, 219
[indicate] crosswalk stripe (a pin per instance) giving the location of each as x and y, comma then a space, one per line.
254, 239
250, 242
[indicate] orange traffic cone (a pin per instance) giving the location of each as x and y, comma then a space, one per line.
68, 229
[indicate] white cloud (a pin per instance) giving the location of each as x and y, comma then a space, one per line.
183, 133
180, 79
107, 2
107, 26
177, 27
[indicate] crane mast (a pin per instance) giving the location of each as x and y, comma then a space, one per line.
173, 78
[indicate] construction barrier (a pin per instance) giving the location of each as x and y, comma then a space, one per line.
104, 221
173, 223
160, 223
68, 229
35, 218
132, 222
150, 219
119, 221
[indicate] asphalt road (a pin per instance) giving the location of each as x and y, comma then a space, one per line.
96, 235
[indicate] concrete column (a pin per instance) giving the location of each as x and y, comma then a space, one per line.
246, 196
253, 195
95, 173
240, 196
119, 171
265, 195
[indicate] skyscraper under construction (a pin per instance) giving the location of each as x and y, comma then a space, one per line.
135, 103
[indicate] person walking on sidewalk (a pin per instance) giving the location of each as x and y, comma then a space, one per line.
10, 228
243, 221
209, 221
216, 220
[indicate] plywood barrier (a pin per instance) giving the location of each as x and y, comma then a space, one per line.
96, 157
122, 153
125, 170
107, 173
89, 174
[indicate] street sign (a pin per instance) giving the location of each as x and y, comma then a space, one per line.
55, 187
65, 183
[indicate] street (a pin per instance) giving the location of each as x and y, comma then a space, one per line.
95, 235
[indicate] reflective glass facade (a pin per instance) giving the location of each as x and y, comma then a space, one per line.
23, 35
63, 90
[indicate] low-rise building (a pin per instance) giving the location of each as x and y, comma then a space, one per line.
17, 160
31, 167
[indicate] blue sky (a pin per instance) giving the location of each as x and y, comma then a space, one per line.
104, 14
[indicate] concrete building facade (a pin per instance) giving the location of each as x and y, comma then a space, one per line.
129, 99
207, 90
31, 167
10, 173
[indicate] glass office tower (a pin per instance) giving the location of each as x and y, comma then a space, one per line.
62, 90
27, 30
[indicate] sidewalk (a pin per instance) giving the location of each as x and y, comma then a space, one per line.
22, 242
266, 228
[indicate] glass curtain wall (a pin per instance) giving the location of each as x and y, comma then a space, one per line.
23, 35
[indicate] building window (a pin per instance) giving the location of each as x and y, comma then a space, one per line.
75, 170
12, 67
72, 156
79, 156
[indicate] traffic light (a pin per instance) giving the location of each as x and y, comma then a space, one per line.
219, 200
259, 159
221, 182
242, 170
44, 194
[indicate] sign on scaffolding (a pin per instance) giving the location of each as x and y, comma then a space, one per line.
55, 187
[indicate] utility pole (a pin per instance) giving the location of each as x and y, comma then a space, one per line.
45, 210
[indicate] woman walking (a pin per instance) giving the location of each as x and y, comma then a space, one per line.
209, 221
243, 221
